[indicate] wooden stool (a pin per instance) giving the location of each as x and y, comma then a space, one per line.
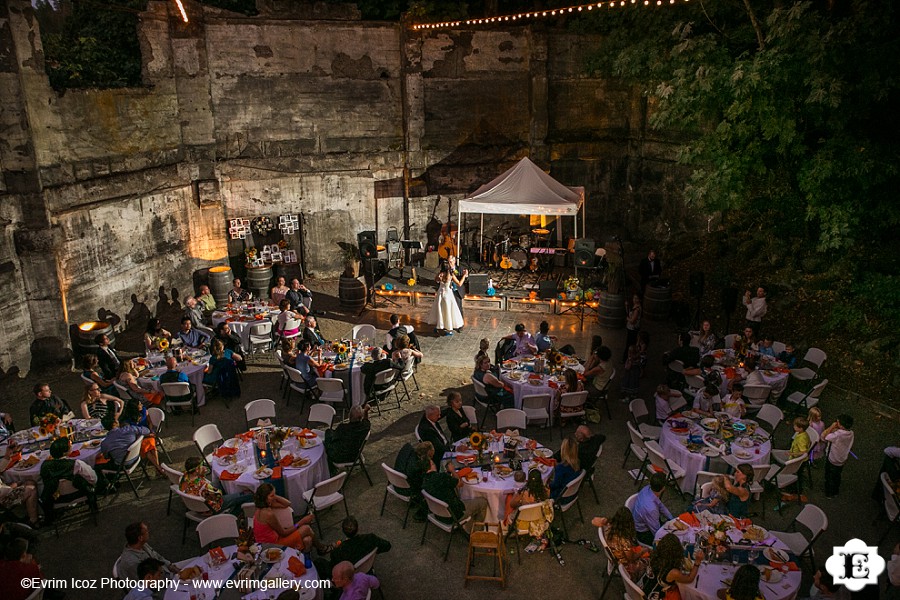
487, 543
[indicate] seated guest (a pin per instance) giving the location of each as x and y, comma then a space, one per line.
150, 574
17, 494
621, 538
707, 400
97, 405
172, 374
237, 293
206, 299
403, 351
299, 298
788, 356
708, 372
232, 342
800, 442
195, 483
397, 329
306, 364
570, 384
716, 501
91, 365
312, 334
662, 401
267, 529
497, 392
193, 311
413, 461
129, 377
532, 492
543, 340
734, 403
121, 436
137, 549
525, 345
765, 346
279, 292
380, 362
357, 545
738, 488
342, 444
107, 357
289, 322
430, 430
706, 339
649, 512
588, 445
599, 371
6, 424
154, 332
45, 403
190, 337
220, 359
58, 467
666, 562
744, 585
687, 354
289, 352
566, 469
443, 485
753, 376
353, 585
746, 342
457, 421
18, 565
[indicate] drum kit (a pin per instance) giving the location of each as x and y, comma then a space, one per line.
510, 249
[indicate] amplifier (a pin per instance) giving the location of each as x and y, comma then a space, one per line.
478, 283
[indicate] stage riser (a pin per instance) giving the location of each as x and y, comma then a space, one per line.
544, 307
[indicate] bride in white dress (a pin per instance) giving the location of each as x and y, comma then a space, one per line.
445, 313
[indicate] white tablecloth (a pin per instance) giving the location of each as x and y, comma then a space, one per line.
20, 475
296, 481
242, 327
673, 446
710, 576
523, 387
776, 379
194, 372
223, 572
351, 376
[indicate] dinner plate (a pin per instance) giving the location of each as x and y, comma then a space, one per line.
744, 442
514, 375
503, 471
232, 442
769, 372
776, 555
769, 575
709, 451
711, 424
272, 555
88, 423
543, 452
341, 366
224, 461
300, 462
465, 459
237, 469
26, 463
470, 481
755, 533
742, 454
99, 433
263, 473
309, 442
91, 444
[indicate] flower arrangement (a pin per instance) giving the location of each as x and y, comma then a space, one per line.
572, 284
47, 424
162, 344
554, 357
478, 442
411, 281
341, 349
277, 437
282, 243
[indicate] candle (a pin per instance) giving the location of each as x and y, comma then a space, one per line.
262, 454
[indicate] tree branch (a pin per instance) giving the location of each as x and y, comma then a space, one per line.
756, 27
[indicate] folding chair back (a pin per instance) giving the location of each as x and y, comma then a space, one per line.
511, 418
365, 331
321, 413
330, 486
217, 527
395, 478
638, 410
730, 339
438, 508
573, 400
365, 564
537, 407
471, 415
778, 347
630, 501
206, 436
770, 415
813, 518
632, 589
259, 409
816, 357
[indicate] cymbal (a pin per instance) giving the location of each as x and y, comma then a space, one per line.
540, 231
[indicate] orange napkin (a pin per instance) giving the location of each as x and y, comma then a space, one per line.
295, 566
534, 376
550, 462
276, 473
741, 523
74, 453
792, 566
676, 416
553, 385
246, 436
321, 370
224, 451
229, 476
286, 461
783, 370
13, 460
690, 519
581, 377
307, 433
218, 554
464, 471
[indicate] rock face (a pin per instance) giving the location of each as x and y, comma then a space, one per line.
112, 199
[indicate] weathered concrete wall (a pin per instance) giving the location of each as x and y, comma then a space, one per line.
105, 194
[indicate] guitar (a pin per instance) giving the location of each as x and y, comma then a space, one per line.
448, 241
505, 264
533, 264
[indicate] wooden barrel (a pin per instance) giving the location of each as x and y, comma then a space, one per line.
657, 302
220, 283
259, 281
88, 331
352, 293
611, 312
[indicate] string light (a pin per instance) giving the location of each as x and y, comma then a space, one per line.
515, 17
180, 6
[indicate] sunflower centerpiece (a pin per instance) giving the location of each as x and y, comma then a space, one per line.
340, 349
162, 344
47, 424
478, 443
276, 439
554, 360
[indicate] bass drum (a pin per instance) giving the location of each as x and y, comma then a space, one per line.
525, 241
518, 257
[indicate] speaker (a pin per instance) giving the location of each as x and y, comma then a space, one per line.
584, 252
367, 246
698, 279
729, 299
374, 269
478, 283
547, 289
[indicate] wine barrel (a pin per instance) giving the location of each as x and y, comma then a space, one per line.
88, 331
657, 302
352, 293
259, 280
220, 283
611, 312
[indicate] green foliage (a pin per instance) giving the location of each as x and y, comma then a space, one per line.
871, 306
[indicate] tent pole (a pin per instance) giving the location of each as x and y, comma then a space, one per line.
458, 233
481, 241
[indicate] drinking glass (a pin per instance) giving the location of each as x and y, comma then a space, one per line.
753, 555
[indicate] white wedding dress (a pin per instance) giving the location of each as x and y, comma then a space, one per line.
445, 313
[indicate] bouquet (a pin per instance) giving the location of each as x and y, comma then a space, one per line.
479, 443
47, 424
341, 349
277, 437
572, 284
162, 344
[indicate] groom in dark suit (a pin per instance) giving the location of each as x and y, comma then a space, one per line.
107, 357
458, 291
430, 430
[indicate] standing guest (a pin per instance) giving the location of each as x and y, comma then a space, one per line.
193, 310
430, 430
18, 565
195, 483
457, 421
570, 384
286, 317
543, 340
525, 345
190, 337
306, 364
380, 362
443, 485
154, 332
353, 585
756, 307
456, 284
16, 494
744, 585
787, 356
649, 511
45, 402
206, 299
91, 365
312, 334
97, 405
237, 293
631, 378
649, 270
632, 324
621, 538
566, 469
497, 392
107, 357
397, 329
343, 443
357, 545
840, 441
267, 529
58, 467
137, 549
800, 442
666, 563
299, 297
814, 416
129, 377
120, 437
149, 575
279, 292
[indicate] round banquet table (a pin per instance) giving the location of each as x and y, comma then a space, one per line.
710, 575
496, 488
194, 368
297, 480
774, 372
518, 373
352, 375
222, 573
241, 323
673, 444
30, 440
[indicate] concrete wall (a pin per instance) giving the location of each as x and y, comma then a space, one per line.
109, 193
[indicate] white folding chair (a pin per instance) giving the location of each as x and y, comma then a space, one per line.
155, 419
87, 381
757, 487
67, 488
814, 519
332, 391
123, 390
611, 561
129, 465
179, 395
780, 477
396, 481
37, 594
174, 477
326, 494
115, 569
527, 513
756, 396
659, 463
815, 357
363, 332
359, 461
206, 436
511, 418
261, 335
321, 413
778, 347
677, 403
537, 407
771, 415
217, 527
632, 590
482, 398
385, 383
406, 373
438, 510
295, 325
569, 498
571, 400
638, 410
638, 448
630, 501
257, 410
730, 339
298, 383
891, 505
471, 415
366, 563
803, 402
703, 477
195, 509
593, 471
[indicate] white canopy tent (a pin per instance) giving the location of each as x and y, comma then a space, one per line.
524, 189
